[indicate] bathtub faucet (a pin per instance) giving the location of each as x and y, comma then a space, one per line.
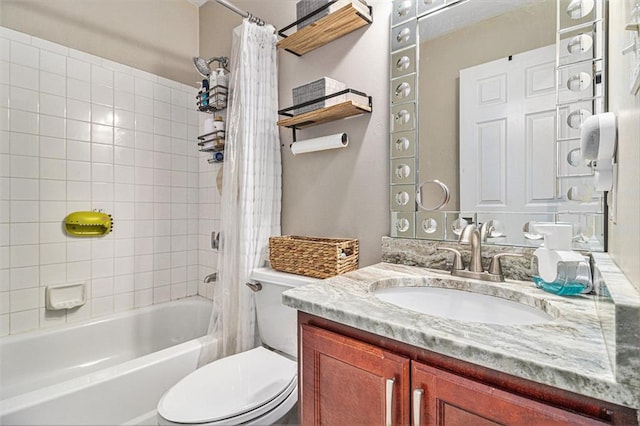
211, 278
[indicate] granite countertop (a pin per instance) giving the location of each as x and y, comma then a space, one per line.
569, 352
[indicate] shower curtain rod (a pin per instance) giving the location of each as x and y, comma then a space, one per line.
236, 9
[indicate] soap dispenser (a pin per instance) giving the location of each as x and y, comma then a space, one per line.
556, 268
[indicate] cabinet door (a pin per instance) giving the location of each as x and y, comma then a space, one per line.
348, 382
448, 399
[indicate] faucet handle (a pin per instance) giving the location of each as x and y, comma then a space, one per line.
457, 258
494, 267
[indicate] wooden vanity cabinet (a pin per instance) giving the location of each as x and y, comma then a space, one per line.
351, 377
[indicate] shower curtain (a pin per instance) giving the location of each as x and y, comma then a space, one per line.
251, 188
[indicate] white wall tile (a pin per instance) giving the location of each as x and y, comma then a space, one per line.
25, 211
24, 189
123, 302
52, 190
124, 100
53, 62
78, 110
78, 89
102, 192
53, 169
162, 93
25, 77
53, 105
53, 253
101, 287
124, 82
144, 141
143, 298
102, 153
24, 321
23, 122
53, 83
143, 280
102, 134
102, 172
102, 95
4, 119
162, 110
52, 126
5, 89
23, 99
5, 49
24, 233
52, 232
78, 70
78, 191
22, 278
101, 76
5, 73
53, 274
124, 119
161, 127
53, 147
78, 150
143, 87
23, 166
24, 54
25, 255
143, 105
51, 211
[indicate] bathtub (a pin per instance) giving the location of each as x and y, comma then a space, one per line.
111, 370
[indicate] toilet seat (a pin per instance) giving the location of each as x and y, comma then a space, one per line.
232, 390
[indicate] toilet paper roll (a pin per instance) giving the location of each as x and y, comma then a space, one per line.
208, 125
339, 140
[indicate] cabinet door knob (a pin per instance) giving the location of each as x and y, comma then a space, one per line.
417, 405
389, 402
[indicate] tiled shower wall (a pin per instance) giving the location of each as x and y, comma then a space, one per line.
78, 132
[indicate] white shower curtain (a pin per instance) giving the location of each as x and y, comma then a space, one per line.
251, 188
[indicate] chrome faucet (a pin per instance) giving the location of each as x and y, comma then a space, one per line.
211, 278
471, 235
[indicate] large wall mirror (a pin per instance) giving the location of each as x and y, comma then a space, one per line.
487, 100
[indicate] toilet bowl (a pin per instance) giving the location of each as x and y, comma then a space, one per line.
258, 386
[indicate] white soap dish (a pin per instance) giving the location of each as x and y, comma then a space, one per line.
65, 296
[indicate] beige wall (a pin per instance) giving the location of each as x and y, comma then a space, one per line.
158, 36
624, 234
440, 62
338, 193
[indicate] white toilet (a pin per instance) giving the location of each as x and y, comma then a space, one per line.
256, 387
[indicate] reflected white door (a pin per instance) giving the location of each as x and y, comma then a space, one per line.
507, 135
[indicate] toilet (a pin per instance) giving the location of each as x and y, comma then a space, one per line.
256, 387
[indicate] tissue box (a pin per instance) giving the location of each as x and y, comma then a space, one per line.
317, 89
305, 7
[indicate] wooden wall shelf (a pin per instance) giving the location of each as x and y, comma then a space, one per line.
341, 22
324, 115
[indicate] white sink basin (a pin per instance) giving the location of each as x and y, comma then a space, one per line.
462, 305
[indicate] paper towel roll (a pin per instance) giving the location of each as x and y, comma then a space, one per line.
339, 140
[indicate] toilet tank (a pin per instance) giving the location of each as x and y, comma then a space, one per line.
277, 323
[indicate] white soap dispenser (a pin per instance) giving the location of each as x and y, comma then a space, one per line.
558, 269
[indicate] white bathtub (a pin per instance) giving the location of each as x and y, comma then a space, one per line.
111, 370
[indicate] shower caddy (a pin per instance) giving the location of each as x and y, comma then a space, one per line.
212, 100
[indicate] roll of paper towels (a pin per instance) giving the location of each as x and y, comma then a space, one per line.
339, 140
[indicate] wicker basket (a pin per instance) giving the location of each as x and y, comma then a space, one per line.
313, 257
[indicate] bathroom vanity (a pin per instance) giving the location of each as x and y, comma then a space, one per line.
364, 360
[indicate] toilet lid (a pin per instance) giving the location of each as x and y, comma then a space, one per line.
230, 387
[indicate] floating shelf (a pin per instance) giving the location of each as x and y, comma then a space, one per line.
341, 22
348, 108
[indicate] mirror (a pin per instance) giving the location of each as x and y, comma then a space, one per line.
492, 111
